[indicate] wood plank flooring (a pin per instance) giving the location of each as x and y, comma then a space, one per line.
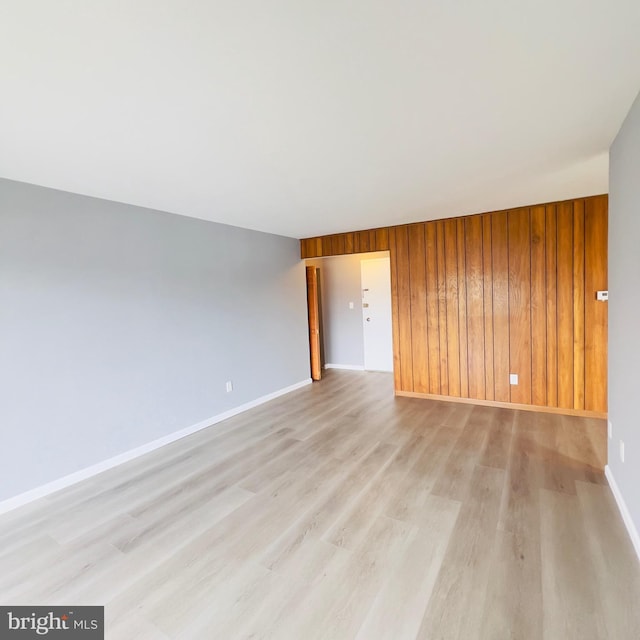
340, 512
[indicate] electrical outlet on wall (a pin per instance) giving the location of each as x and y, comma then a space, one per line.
609, 429
513, 378
229, 386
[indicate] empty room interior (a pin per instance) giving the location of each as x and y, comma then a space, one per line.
320, 320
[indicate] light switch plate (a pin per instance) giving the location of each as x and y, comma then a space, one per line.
513, 378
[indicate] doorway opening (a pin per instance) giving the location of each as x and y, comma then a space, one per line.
347, 339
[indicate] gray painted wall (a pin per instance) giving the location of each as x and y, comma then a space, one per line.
342, 327
120, 325
624, 309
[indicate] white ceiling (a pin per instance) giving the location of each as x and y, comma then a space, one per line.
303, 118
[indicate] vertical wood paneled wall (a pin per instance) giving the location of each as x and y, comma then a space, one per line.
481, 297
345, 243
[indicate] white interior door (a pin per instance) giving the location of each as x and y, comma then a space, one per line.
376, 314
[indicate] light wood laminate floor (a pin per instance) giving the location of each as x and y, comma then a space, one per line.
340, 512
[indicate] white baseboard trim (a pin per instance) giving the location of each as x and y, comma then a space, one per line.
73, 478
349, 367
622, 505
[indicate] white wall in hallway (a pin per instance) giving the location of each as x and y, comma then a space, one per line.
342, 325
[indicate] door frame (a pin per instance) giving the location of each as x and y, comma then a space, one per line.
313, 309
